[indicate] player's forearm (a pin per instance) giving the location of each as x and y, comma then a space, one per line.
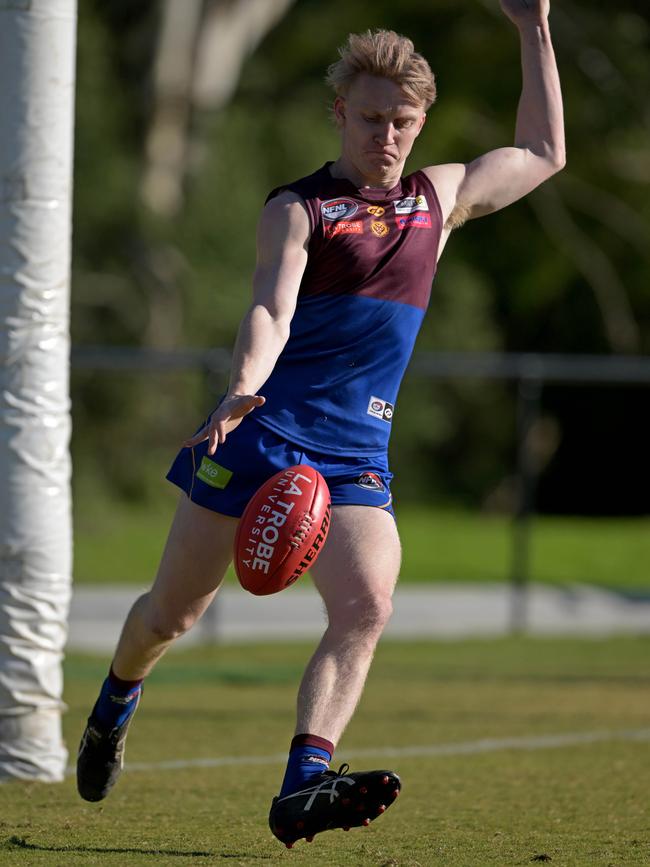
540, 120
260, 340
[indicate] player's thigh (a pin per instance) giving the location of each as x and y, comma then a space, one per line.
195, 559
360, 560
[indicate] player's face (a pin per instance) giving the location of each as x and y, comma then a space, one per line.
378, 126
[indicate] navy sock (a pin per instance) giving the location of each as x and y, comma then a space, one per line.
309, 756
117, 701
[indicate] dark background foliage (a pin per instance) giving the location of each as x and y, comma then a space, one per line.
566, 270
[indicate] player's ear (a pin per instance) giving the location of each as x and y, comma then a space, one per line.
422, 122
338, 109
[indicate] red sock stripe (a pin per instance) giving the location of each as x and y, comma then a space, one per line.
307, 740
116, 681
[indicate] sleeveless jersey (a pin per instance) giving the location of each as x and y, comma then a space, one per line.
371, 261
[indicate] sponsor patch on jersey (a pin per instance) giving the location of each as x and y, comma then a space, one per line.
376, 211
370, 481
338, 209
213, 474
411, 204
379, 408
414, 221
379, 228
343, 227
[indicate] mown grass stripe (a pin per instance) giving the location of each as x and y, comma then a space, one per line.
485, 745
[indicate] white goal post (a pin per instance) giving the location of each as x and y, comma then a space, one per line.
37, 79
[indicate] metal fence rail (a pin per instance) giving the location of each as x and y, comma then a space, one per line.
529, 371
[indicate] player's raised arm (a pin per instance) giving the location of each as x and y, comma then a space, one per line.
502, 176
282, 239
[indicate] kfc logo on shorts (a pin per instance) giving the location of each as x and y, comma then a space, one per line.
379, 408
411, 204
338, 209
370, 481
414, 221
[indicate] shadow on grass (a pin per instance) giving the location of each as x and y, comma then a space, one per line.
14, 843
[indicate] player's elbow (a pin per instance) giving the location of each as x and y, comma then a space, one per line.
557, 160
554, 157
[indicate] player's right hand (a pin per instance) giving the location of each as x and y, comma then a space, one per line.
226, 417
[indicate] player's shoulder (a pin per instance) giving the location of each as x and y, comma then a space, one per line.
288, 207
284, 219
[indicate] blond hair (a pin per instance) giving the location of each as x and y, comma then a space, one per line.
385, 54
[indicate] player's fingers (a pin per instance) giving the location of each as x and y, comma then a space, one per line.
196, 439
214, 438
224, 427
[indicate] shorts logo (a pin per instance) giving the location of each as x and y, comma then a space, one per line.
343, 227
411, 204
379, 228
379, 408
376, 211
370, 481
414, 221
213, 474
338, 209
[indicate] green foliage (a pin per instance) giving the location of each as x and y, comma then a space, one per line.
122, 543
565, 270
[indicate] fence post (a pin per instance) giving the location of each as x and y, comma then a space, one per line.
529, 390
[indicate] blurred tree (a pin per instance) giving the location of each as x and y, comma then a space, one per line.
566, 270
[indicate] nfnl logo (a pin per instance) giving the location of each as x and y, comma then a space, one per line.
371, 481
338, 209
379, 408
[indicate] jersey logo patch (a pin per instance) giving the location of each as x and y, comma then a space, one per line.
379, 408
213, 474
338, 209
376, 211
370, 481
344, 228
414, 221
379, 228
411, 204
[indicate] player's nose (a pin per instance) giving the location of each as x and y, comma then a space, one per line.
385, 134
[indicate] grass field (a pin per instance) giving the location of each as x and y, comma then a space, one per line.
118, 544
514, 802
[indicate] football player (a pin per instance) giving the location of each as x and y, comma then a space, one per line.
346, 258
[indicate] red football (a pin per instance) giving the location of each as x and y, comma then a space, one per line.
282, 530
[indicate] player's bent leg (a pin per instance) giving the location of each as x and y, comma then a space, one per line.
193, 564
355, 575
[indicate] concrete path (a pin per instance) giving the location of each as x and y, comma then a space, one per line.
435, 611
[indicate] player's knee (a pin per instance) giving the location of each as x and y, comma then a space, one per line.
167, 626
365, 614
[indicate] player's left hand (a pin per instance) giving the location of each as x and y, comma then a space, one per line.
226, 417
522, 11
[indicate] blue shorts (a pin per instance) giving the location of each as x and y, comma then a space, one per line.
252, 453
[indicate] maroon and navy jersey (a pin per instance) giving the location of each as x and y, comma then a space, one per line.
371, 261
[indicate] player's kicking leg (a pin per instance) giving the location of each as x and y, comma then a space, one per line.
355, 574
193, 564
